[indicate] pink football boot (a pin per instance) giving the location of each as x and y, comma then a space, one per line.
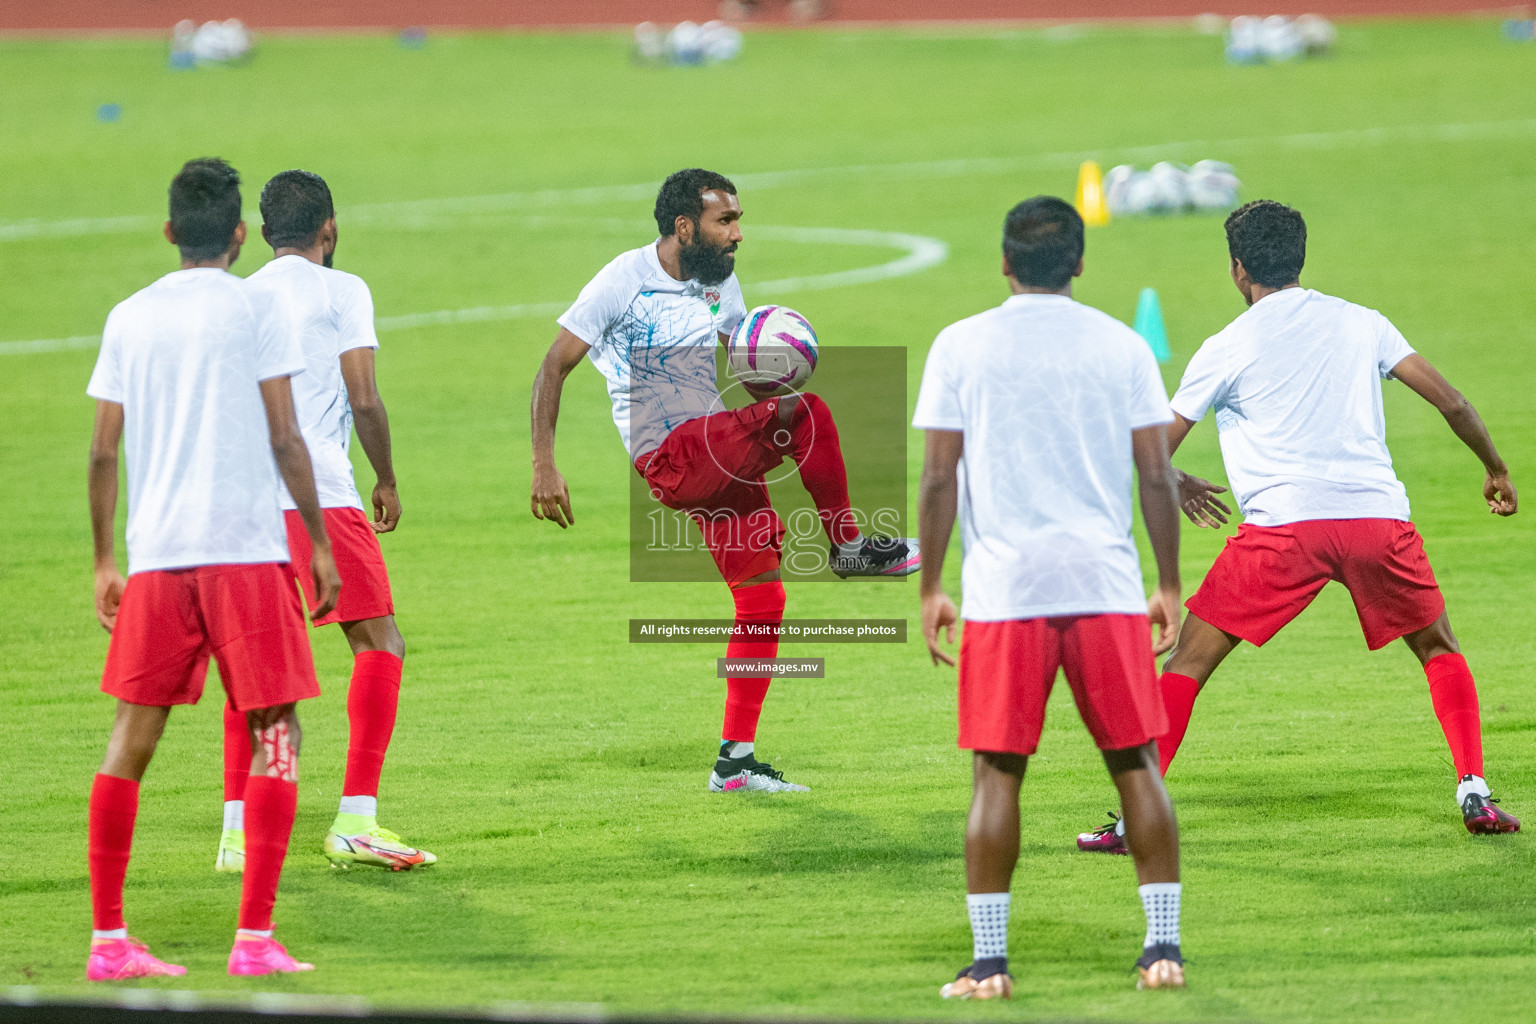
1104, 839
120, 959
256, 955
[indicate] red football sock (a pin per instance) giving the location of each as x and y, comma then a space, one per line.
817, 452
1454, 694
269, 808
237, 752
760, 603
371, 703
114, 806
1179, 693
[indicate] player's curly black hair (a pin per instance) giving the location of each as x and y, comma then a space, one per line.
1270, 239
205, 208
1043, 242
682, 195
294, 207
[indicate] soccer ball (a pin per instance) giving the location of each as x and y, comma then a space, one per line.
1317, 34
1280, 39
772, 349
721, 42
1212, 186
685, 43
1172, 188
1116, 184
1139, 195
1244, 40
650, 43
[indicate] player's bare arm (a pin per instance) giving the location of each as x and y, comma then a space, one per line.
106, 437
371, 421
298, 474
937, 501
1158, 490
550, 498
1427, 382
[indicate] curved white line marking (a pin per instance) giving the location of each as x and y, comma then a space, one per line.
920, 253
384, 213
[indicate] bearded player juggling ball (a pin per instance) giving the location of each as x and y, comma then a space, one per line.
650, 321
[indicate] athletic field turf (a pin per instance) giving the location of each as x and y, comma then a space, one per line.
558, 771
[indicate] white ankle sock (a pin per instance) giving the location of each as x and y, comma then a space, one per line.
1161, 902
1472, 784
252, 933
110, 933
234, 815
367, 806
1120, 827
735, 749
989, 923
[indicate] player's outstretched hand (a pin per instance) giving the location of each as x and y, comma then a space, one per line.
327, 582
939, 612
109, 594
551, 499
1163, 611
386, 508
1198, 499
1502, 500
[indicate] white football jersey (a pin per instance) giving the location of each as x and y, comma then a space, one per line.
1046, 392
185, 358
329, 312
1296, 385
653, 338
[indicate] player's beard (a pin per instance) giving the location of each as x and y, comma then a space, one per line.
328, 258
705, 263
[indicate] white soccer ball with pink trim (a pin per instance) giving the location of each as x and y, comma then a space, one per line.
772, 349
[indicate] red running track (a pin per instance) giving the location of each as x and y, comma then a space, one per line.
159, 15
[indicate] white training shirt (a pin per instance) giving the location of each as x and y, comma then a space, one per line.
1047, 392
329, 312
653, 338
1296, 385
184, 358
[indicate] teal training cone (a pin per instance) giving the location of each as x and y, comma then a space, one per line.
1149, 324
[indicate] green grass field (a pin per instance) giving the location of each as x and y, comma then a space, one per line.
559, 771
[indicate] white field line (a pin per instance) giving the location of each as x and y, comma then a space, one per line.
920, 253
19, 348
916, 259
545, 198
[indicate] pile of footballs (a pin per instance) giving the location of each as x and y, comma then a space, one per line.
212, 42
1276, 39
1209, 186
687, 43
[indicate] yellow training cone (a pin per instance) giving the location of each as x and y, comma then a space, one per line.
1090, 195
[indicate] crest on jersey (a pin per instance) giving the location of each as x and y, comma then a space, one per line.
712, 297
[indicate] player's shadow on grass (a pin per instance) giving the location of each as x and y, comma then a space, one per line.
804, 838
654, 758
423, 907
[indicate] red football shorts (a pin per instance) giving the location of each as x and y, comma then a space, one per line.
359, 561
246, 616
712, 468
1007, 670
1266, 576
